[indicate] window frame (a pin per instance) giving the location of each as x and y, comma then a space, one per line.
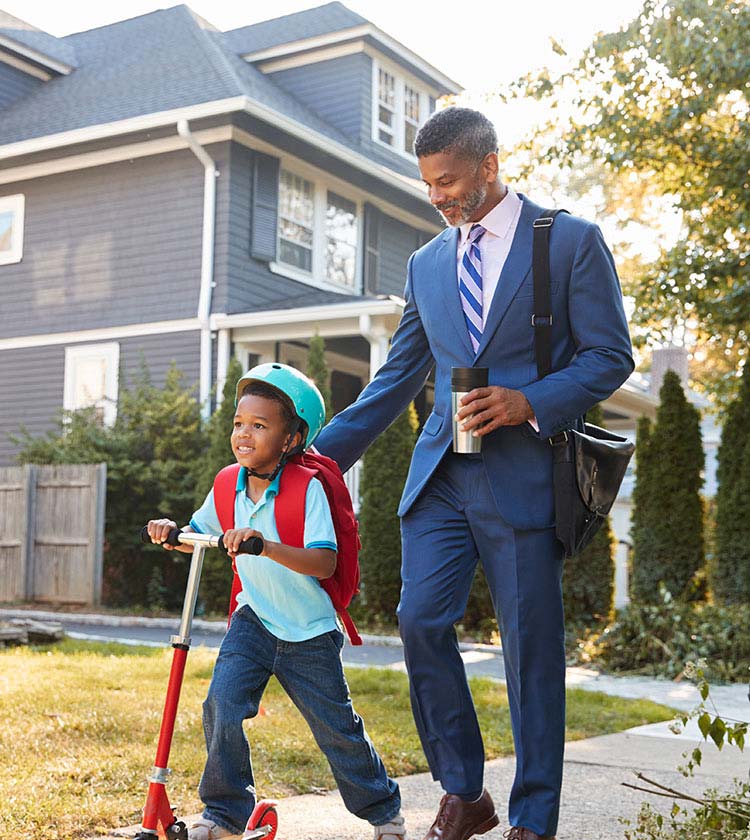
318, 276
110, 351
15, 204
402, 80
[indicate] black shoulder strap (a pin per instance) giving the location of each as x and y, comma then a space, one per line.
541, 320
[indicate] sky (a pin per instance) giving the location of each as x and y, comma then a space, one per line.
481, 45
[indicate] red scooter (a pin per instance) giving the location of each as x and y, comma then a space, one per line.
158, 816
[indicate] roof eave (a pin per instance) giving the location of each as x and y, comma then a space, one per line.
35, 56
208, 109
366, 29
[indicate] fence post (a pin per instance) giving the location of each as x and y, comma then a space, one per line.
29, 482
96, 533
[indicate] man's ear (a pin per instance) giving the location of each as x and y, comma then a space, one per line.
490, 167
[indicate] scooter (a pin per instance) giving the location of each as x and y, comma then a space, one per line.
159, 820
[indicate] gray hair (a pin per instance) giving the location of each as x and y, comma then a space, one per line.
463, 131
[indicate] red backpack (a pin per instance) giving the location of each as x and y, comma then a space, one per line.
290, 523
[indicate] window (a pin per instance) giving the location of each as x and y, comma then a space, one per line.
318, 232
411, 118
296, 215
399, 108
341, 240
386, 107
91, 379
11, 228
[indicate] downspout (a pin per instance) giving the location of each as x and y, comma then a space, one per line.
207, 263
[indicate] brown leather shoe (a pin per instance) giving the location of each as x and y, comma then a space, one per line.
518, 833
459, 820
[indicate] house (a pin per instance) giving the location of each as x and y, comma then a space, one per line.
172, 192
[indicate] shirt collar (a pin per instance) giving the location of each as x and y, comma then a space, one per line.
499, 220
271, 490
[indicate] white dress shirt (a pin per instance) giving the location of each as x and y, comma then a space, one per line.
500, 225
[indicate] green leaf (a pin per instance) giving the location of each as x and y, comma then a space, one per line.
697, 755
718, 731
704, 724
704, 689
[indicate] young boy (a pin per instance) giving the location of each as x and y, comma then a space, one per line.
284, 623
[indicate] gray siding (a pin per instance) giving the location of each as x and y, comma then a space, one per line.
338, 90
15, 84
31, 382
398, 242
107, 246
43, 368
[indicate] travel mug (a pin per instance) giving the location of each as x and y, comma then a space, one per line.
464, 380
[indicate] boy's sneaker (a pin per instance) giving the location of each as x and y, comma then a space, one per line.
393, 830
203, 829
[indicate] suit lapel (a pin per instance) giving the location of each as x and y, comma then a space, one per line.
445, 271
517, 266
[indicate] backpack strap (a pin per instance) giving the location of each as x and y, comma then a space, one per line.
290, 516
225, 490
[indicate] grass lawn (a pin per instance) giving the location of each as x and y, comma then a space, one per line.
80, 723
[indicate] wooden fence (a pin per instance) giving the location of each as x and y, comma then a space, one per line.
52, 532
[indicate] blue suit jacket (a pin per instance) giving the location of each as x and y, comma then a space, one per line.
591, 358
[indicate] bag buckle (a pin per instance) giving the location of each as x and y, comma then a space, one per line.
543, 222
556, 440
541, 320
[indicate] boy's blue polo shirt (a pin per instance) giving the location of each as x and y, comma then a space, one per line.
292, 606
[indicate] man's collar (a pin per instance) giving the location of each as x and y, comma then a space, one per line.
499, 220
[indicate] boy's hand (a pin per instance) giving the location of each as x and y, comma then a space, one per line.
234, 536
158, 530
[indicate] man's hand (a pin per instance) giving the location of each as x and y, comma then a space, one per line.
486, 409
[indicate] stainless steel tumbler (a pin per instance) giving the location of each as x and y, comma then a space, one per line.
464, 380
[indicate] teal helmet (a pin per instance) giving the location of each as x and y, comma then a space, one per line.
302, 391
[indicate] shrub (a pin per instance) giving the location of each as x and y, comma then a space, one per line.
657, 639
317, 370
386, 464
150, 453
668, 525
730, 568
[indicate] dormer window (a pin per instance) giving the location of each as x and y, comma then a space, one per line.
400, 107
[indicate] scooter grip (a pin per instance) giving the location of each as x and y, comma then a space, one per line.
253, 545
172, 539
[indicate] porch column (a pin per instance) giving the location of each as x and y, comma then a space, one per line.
376, 333
222, 362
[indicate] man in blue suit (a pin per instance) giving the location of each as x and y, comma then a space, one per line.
469, 302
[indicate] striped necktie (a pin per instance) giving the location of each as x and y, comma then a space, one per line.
470, 285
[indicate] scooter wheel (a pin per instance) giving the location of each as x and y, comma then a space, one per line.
177, 831
263, 823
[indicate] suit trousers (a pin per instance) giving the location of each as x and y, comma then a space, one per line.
453, 524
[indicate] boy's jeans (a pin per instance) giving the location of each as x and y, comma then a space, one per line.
312, 675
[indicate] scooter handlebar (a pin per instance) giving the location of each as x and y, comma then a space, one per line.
253, 545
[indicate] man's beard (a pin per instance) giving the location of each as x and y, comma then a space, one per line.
468, 206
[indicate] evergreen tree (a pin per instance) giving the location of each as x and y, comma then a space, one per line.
730, 569
589, 577
216, 578
386, 464
317, 370
668, 528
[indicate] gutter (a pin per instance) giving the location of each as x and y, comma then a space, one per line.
207, 262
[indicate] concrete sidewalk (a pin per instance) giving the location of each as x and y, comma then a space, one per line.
593, 797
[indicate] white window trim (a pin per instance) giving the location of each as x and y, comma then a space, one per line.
16, 205
317, 277
399, 130
111, 352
